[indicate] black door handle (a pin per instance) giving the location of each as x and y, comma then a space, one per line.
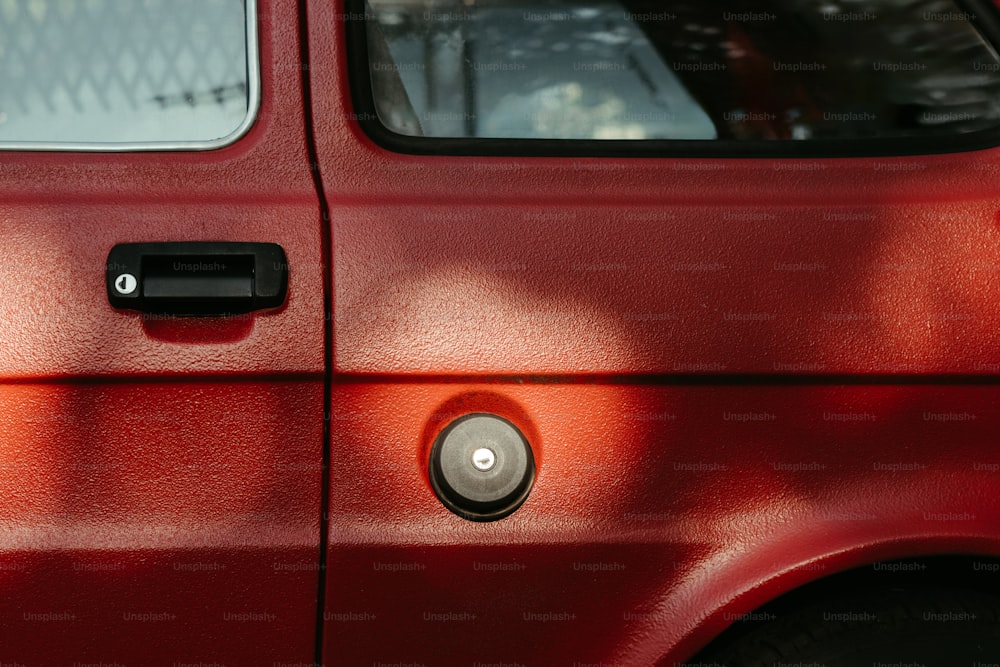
197, 278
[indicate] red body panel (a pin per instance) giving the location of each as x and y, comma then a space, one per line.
609, 308
159, 523
160, 481
658, 515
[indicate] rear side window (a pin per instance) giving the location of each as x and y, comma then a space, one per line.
705, 70
126, 74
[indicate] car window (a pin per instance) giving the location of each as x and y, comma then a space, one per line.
705, 70
123, 74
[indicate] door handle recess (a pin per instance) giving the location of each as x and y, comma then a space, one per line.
197, 278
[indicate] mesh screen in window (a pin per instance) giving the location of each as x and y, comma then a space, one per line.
117, 73
696, 70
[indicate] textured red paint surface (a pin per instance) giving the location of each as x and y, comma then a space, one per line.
456, 265
159, 523
576, 297
658, 514
160, 481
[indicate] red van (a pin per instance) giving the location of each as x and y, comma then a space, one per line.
546, 333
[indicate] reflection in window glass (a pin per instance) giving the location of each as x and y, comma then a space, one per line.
122, 71
701, 69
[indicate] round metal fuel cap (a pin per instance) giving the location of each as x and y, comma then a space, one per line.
481, 467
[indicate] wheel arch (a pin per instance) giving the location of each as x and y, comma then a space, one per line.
739, 593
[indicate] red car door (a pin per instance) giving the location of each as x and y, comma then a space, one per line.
160, 476
736, 374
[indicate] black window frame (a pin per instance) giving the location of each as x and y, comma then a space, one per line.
986, 21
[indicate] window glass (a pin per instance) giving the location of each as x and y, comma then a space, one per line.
702, 69
168, 73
